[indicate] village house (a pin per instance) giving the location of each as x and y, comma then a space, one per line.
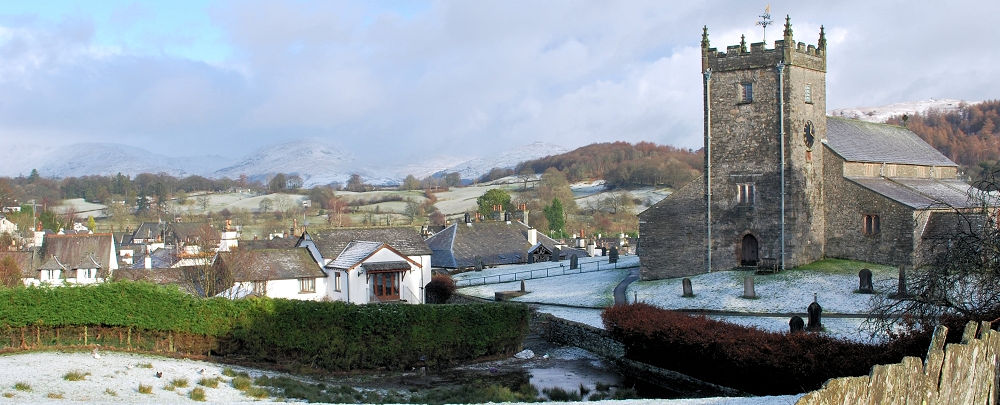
76, 259
8, 227
785, 185
290, 273
493, 243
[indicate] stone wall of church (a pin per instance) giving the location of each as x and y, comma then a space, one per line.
672, 234
845, 237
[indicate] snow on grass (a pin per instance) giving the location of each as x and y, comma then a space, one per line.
586, 188
82, 208
587, 316
790, 291
594, 289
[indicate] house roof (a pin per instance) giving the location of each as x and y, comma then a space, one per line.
74, 249
122, 238
354, 253
922, 193
948, 224
860, 141
404, 239
149, 230
494, 243
26, 261
162, 258
276, 243
52, 263
192, 231
271, 264
186, 278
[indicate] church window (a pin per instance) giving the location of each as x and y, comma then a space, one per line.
745, 194
871, 226
809, 93
746, 92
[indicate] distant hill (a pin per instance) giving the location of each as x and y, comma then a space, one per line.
622, 164
885, 112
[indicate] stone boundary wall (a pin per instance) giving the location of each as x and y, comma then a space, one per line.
963, 373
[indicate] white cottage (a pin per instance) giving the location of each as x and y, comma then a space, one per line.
76, 259
277, 273
374, 272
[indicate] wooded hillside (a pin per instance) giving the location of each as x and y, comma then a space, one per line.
623, 164
969, 136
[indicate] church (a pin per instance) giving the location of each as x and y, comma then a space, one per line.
785, 185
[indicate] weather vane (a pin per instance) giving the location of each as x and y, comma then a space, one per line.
765, 20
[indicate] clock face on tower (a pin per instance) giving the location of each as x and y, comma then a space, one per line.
809, 135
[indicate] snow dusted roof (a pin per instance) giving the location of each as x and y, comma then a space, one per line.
860, 141
921, 193
354, 253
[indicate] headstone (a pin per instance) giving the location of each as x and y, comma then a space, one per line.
555, 255
901, 289
574, 262
688, 291
865, 283
506, 216
748, 291
468, 219
815, 313
480, 265
522, 286
604, 251
613, 256
796, 324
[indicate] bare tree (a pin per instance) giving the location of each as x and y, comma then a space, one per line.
957, 273
10, 272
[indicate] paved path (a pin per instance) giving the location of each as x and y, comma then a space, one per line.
620, 298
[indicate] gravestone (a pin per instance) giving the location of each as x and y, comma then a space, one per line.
480, 265
901, 289
613, 256
506, 216
865, 282
522, 285
468, 219
555, 255
604, 251
815, 313
574, 262
688, 291
796, 324
748, 291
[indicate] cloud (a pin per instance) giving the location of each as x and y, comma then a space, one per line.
456, 78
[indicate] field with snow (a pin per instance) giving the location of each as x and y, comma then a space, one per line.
82, 208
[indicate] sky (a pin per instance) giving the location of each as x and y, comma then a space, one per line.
409, 80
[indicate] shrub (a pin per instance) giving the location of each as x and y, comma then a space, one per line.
145, 389
745, 358
22, 386
560, 395
229, 372
179, 382
440, 289
111, 392
75, 376
8, 395
197, 394
145, 365
54, 395
257, 392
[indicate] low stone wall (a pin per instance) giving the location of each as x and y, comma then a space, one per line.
963, 373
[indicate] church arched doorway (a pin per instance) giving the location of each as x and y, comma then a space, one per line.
749, 250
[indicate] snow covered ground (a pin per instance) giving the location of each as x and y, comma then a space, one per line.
542, 269
592, 289
115, 378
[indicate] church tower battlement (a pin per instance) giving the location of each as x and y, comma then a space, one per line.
737, 57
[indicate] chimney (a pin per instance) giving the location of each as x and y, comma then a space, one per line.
581, 242
591, 249
532, 236
147, 262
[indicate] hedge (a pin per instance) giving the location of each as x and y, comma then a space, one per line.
746, 358
329, 335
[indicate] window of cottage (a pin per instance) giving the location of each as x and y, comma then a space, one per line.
745, 194
307, 285
746, 92
337, 281
871, 225
259, 287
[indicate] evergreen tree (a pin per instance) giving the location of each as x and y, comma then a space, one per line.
494, 197
554, 214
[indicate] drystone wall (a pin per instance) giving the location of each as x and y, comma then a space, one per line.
963, 373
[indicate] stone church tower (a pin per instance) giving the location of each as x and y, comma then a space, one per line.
765, 121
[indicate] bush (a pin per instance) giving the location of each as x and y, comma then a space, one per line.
242, 383
22, 386
179, 382
75, 376
197, 394
745, 358
145, 389
209, 382
440, 289
333, 336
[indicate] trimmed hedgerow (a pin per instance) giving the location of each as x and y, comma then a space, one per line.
746, 358
327, 335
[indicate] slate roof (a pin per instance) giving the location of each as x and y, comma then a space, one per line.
922, 193
186, 278
52, 263
354, 253
271, 264
276, 243
945, 225
74, 249
404, 239
122, 238
495, 243
860, 141
149, 230
162, 258
192, 231
25, 260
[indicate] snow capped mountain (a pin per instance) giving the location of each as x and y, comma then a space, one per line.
474, 168
315, 161
883, 113
99, 159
